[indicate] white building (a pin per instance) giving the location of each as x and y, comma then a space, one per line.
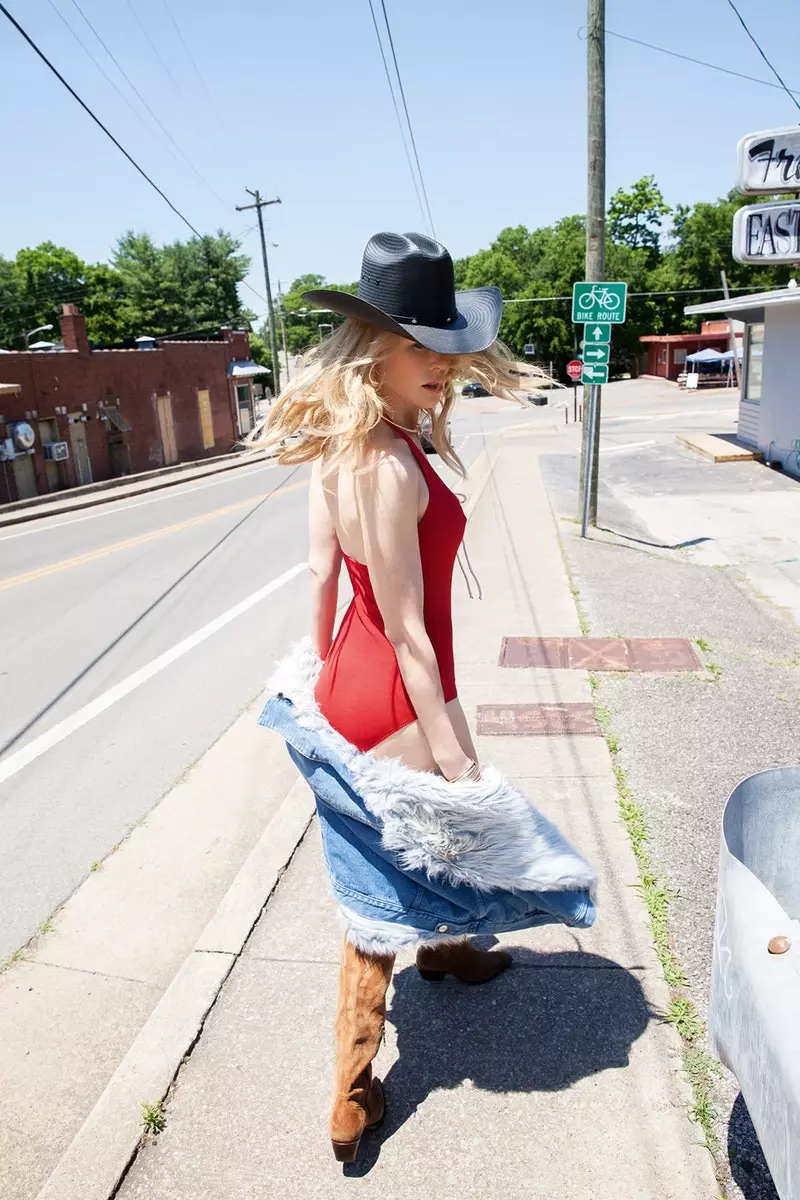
769, 401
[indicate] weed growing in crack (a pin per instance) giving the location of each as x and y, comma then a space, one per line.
703, 645
153, 1117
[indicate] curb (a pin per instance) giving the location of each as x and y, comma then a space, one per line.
101, 1153
97, 1159
163, 478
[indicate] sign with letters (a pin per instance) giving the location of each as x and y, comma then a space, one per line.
769, 162
599, 303
767, 233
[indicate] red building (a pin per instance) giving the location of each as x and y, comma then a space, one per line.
666, 353
77, 415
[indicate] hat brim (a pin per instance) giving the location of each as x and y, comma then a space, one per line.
473, 330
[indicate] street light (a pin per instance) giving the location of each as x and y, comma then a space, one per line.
31, 332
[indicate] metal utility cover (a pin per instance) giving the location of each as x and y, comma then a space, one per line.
536, 720
600, 654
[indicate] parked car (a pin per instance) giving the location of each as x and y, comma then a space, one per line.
474, 389
425, 439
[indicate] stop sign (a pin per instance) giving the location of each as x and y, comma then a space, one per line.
574, 369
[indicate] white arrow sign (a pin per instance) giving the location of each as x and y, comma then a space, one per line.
598, 353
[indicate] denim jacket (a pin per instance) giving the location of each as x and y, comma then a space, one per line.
412, 858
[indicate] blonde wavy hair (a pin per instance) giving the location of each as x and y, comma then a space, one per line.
330, 408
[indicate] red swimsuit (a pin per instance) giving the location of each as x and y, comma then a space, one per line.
360, 690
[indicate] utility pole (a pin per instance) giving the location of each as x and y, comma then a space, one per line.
595, 217
273, 341
283, 329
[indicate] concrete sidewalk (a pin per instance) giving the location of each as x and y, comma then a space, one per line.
559, 1079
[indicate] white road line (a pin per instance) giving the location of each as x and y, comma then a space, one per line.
13, 763
113, 507
629, 446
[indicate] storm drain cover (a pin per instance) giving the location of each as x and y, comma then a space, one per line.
536, 720
600, 654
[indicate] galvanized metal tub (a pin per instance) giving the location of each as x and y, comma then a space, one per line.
754, 1015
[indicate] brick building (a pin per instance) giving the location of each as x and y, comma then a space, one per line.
666, 352
77, 415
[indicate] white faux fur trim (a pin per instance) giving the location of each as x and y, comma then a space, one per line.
387, 937
485, 834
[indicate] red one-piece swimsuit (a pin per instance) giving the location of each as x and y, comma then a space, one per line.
360, 690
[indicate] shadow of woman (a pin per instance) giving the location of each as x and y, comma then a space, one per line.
748, 1165
555, 1019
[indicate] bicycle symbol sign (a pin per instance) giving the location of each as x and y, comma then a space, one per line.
599, 303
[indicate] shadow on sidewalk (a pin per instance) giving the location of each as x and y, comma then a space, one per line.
540, 1027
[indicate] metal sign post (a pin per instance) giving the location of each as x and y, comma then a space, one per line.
593, 390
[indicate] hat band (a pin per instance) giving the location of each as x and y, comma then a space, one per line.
416, 321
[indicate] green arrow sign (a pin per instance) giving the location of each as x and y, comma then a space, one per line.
596, 335
599, 303
592, 374
599, 355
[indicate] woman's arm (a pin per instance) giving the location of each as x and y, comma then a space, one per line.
388, 494
324, 564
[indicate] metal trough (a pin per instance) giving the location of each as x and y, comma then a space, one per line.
754, 1016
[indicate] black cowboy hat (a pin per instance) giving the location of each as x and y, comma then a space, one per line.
407, 286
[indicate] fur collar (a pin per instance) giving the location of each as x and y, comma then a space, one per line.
486, 835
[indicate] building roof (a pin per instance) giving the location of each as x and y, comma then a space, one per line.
749, 308
683, 337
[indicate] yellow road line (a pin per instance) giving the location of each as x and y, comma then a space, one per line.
80, 559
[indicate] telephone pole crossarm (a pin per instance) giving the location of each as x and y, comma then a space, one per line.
258, 205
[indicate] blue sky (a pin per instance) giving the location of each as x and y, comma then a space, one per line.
297, 105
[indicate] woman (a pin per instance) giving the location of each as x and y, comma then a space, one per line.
423, 846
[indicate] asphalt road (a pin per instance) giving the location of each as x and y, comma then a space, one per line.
131, 637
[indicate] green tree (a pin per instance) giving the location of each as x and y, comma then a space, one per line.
635, 217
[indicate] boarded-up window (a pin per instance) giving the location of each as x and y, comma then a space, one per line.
206, 420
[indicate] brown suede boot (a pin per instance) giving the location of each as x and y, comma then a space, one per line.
462, 960
361, 1012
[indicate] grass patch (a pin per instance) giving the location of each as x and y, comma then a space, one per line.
703, 645
716, 671
153, 1117
96, 866
46, 926
701, 1068
791, 663
17, 957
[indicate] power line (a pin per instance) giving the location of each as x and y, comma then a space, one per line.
397, 113
134, 88
698, 62
761, 52
153, 46
753, 287
96, 119
408, 118
105, 74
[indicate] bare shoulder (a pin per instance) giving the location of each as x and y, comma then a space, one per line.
389, 461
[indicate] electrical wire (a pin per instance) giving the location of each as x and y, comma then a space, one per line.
397, 113
95, 118
758, 287
153, 47
106, 76
698, 62
754, 40
160, 124
405, 110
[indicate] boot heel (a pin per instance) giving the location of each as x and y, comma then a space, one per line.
346, 1152
431, 976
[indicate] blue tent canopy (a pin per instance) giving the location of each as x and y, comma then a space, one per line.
706, 356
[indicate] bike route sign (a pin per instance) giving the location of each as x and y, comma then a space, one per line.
599, 303
593, 374
596, 354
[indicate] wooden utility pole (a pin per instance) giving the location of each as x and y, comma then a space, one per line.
273, 340
595, 214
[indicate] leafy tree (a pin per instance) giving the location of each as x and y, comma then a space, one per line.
634, 217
